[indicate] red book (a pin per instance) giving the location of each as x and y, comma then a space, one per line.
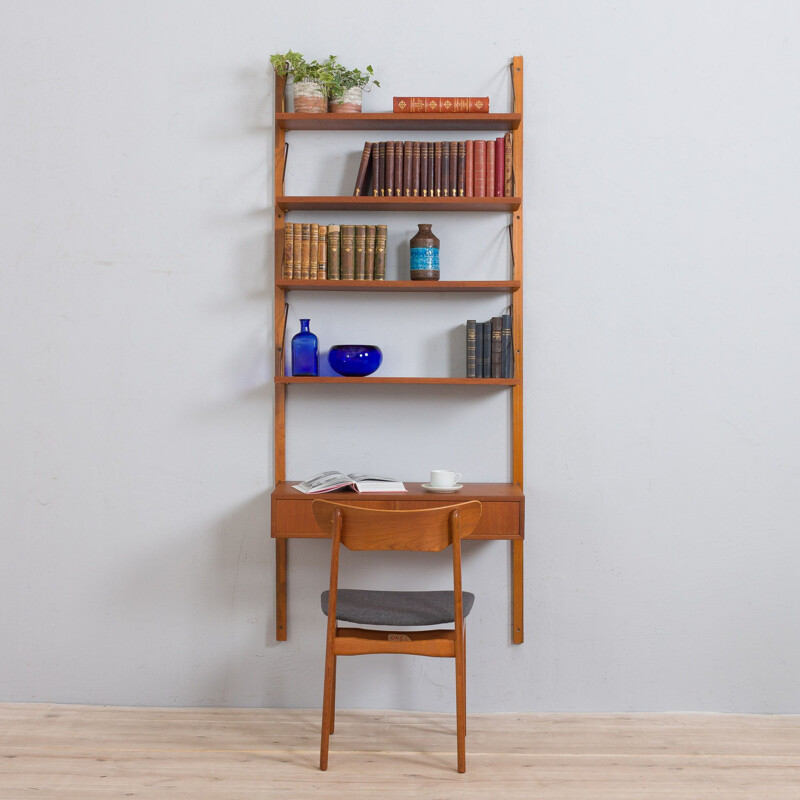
382, 169
389, 177
363, 168
480, 168
415, 169
499, 166
489, 168
437, 180
440, 105
445, 169
431, 168
462, 166
509, 161
453, 169
423, 169
408, 168
398, 169
468, 170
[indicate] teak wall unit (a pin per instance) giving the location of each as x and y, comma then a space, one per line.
504, 503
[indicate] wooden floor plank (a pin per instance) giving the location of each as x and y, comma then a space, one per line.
99, 753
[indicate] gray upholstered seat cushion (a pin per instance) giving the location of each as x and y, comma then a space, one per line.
366, 607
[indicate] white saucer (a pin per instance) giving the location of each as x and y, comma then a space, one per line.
442, 489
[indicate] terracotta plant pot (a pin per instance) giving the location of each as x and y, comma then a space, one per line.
309, 97
349, 103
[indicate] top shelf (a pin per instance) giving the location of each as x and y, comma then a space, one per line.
397, 122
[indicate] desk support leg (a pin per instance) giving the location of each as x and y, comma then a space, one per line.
517, 589
280, 590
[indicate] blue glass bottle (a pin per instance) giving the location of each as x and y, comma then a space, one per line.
305, 356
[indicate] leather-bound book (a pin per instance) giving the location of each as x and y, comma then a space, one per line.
348, 255
382, 169
363, 169
288, 250
398, 169
415, 167
440, 105
369, 253
507, 361
333, 252
469, 168
431, 168
389, 169
480, 168
497, 347
360, 257
478, 349
313, 251
489, 168
499, 166
471, 348
453, 169
322, 253
408, 167
437, 159
445, 169
423, 169
508, 189
380, 252
487, 349
374, 169
462, 165
297, 249
305, 249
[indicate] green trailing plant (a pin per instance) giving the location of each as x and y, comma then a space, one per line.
295, 64
338, 78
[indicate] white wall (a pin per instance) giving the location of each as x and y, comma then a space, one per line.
661, 354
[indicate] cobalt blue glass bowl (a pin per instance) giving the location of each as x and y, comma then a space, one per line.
355, 360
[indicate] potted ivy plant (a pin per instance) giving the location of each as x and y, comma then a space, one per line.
308, 88
345, 86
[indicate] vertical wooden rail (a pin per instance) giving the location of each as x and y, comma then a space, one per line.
516, 310
279, 162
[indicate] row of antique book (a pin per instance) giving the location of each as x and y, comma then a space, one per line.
470, 168
490, 352
334, 252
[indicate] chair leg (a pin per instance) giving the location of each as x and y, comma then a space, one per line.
333, 697
327, 706
461, 707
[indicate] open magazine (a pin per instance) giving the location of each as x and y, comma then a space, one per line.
333, 480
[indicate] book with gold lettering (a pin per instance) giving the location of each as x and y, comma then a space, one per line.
479, 167
437, 160
389, 184
469, 168
322, 253
445, 169
509, 165
499, 166
333, 252
363, 170
453, 169
347, 253
297, 248
423, 169
305, 250
288, 250
398, 169
360, 252
489, 176
440, 105
313, 251
369, 253
380, 253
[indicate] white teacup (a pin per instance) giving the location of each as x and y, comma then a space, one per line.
444, 478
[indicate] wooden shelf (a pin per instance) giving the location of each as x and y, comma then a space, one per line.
398, 286
432, 381
370, 203
397, 122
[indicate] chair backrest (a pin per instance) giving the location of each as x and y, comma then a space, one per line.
428, 529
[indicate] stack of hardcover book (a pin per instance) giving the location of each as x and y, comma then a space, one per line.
470, 168
334, 252
490, 352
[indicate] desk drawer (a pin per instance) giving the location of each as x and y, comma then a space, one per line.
296, 519
498, 520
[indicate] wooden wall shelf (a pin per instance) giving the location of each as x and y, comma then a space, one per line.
367, 380
371, 203
504, 504
397, 122
398, 286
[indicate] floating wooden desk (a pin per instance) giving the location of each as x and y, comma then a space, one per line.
503, 517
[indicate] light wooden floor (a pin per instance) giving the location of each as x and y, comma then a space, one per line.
87, 752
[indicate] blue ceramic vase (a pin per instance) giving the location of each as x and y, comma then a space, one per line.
305, 353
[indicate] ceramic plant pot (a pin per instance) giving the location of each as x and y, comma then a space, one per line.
309, 97
349, 102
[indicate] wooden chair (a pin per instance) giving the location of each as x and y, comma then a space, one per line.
430, 530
